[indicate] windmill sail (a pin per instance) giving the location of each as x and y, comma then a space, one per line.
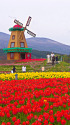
28, 21
31, 33
19, 23
27, 24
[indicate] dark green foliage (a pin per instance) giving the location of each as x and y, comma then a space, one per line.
38, 54
3, 56
66, 58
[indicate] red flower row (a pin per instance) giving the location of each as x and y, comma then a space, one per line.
37, 101
30, 60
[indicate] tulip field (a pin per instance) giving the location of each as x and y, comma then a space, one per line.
35, 98
35, 75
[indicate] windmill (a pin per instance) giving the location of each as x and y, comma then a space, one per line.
17, 47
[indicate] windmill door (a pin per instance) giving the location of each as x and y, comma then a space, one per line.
22, 55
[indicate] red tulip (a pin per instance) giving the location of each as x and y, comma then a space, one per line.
68, 117
50, 112
24, 123
3, 123
8, 123
38, 109
69, 104
18, 121
51, 119
2, 114
30, 116
46, 108
14, 119
35, 116
8, 115
46, 115
40, 118
63, 122
27, 122
64, 106
15, 103
45, 122
51, 106
58, 119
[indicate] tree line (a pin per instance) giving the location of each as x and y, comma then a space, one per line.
39, 54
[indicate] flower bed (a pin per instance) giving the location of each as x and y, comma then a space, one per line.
35, 75
30, 60
4, 71
35, 102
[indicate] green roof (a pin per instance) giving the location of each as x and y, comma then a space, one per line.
17, 49
14, 29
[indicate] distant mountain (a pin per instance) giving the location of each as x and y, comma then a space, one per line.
41, 44
4, 39
45, 44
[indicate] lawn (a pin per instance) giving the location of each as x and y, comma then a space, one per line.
37, 66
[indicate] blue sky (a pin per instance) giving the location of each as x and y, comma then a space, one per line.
50, 18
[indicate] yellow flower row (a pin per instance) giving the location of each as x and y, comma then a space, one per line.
35, 75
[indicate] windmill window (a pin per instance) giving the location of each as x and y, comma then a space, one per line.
12, 55
21, 44
12, 44
13, 37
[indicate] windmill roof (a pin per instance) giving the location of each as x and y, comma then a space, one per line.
16, 27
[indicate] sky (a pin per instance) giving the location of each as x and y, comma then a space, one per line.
50, 18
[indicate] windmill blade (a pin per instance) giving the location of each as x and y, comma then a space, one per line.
19, 23
28, 21
31, 33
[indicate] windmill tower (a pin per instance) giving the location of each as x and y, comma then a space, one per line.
17, 46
